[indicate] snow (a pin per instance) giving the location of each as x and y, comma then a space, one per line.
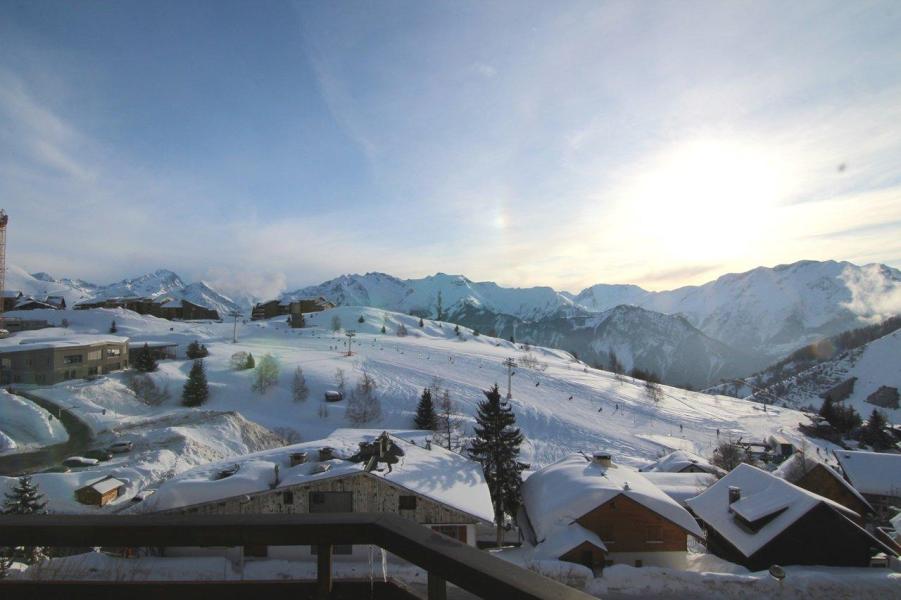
680, 486
675, 462
872, 472
791, 469
562, 492
762, 494
24, 425
107, 484
444, 476
53, 337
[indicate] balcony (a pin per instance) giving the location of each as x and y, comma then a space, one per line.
444, 559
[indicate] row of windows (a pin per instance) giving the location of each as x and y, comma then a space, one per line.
653, 533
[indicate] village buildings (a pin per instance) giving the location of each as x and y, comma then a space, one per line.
596, 513
814, 475
682, 461
46, 360
756, 519
353, 470
876, 475
163, 307
295, 308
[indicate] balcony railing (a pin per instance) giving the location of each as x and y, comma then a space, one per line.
444, 559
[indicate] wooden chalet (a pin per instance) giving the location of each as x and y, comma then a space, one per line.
295, 308
101, 492
815, 476
756, 519
876, 475
596, 513
682, 461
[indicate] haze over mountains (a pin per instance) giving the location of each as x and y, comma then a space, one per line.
695, 335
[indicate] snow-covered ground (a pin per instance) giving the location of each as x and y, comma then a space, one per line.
25, 425
561, 405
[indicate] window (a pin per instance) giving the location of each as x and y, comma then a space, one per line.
94, 355
287, 497
407, 503
654, 534
72, 359
638, 563
113, 352
458, 532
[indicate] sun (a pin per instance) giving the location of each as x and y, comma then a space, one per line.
705, 197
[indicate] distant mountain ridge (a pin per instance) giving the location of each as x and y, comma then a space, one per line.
732, 326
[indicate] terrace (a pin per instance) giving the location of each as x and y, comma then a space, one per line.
444, 559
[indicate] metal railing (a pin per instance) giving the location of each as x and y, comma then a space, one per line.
444, 559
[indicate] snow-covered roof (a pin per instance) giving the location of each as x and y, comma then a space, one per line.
10, 294
762, 495
564, 539
792, 468
681, 486
26, 343
568, 489
152, 344
674, 462
436, 473
107, 485
872, 472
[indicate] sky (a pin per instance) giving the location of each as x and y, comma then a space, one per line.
265, 145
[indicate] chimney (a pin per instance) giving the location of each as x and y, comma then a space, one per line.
326, 453
734, 494
383, 444
298, 458
604, 459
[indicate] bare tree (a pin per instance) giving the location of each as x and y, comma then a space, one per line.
266, 374
728, 455
450, 423
363, 405
147, 391
653, 390
339, 380
299, 388
336, 323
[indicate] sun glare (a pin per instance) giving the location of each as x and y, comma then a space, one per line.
706, 196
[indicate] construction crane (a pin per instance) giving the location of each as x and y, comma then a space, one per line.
4, 221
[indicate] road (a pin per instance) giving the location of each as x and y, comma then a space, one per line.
80, 440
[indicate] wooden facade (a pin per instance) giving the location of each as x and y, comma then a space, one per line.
295, 308
183, 311
822, 480
625, 525
823, 536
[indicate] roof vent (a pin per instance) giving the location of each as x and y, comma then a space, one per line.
603, 459
326, 453
734, 494
298, 458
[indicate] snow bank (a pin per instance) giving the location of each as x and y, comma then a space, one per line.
25, 425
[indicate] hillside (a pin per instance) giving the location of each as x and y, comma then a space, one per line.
561, 405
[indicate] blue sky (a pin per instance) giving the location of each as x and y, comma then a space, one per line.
273, 144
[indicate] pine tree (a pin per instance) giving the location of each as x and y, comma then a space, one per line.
496, 448
425, 412
384, 330
439, 308
457, 329
196, 390
26, 499
873, 433
421, 322
299, 388
112, 327
145, 362
196, 350
361, 319
251, 363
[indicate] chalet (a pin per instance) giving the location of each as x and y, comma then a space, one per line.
15, 324
298, 306
101, 492
840, 391
9, 298
45, 361
681, 486
884, 397
353, 470
876, 475
32, 303
183, 310
757, 520
682, 461
596, 513
814, 475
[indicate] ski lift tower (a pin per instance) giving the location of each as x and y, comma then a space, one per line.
510, 364
350, 333
4, 221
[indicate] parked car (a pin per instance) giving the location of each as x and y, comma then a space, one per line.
121, 447
142, 495
334, 396
99, 454
80, 461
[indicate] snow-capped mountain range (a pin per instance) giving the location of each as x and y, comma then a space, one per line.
696, 335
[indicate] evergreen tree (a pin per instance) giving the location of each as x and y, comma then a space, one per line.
457, 329
26, 499
145, 362
299, 388
512, 340
874, 434
251, 363
112, 327
197, 350
361, 319
496, 448
439, 308
196, 390
425, 412
421, 322
384, 330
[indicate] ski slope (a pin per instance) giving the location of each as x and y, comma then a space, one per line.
561, 405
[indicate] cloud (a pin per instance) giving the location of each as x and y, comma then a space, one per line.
238, 283
875, 292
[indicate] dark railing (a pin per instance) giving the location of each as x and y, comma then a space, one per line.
443, 558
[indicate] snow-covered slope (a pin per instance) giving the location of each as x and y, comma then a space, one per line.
874, 365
